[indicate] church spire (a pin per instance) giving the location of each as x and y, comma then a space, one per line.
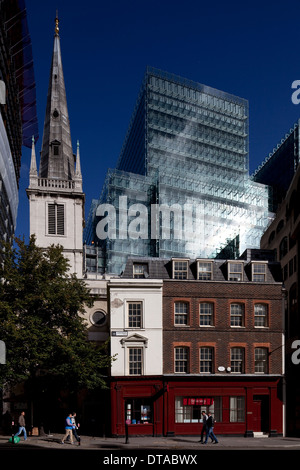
57, 159
78, 166
33, 167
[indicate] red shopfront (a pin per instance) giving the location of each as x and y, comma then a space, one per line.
240, 406
172, 406
137, 404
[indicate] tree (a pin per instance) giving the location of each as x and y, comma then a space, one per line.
41, 321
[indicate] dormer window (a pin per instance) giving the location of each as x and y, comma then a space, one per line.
258, 271
204, 270
235, 271
140, 270
180, 268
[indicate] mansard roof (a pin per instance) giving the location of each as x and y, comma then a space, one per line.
161, 268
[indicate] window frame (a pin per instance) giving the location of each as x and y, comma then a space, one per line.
135, 326
263, 359
236, 315
283, 248
265, 316
206, 360
237, 409
233, 275
181, 314
206, 314
181, 361
256, 264
143, 270
177, 271
134, 362
208, 272
234, 366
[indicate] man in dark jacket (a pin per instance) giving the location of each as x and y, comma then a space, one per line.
210, 429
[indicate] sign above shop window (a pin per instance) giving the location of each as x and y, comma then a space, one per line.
198, 401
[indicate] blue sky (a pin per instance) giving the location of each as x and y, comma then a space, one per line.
250, 49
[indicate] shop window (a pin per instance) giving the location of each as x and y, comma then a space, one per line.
260, 315
181, 360
205, 270
261, 360
189, 409
237, 315
138, 411
181, 310
206, 312
206, 360
237, 409
180, 269
237, 358
134, 311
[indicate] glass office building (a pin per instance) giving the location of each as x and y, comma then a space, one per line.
181, 186
18, 118
279, 167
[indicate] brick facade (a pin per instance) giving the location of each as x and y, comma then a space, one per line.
221, 336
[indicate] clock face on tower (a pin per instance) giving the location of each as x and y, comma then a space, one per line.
98, 318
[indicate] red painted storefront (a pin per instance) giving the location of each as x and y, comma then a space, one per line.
169, 406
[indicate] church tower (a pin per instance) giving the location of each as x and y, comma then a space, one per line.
56, 199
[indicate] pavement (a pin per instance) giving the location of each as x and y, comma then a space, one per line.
176, 443
139, 452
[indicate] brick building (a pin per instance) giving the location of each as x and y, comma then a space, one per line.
282, 236
222, 347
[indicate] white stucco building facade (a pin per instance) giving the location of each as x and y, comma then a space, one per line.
135, 307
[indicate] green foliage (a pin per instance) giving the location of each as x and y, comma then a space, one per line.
41, 322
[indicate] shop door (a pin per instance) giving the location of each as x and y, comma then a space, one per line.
261, 413
257, 416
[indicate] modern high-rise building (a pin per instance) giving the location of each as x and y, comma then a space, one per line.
181, 186
279, 167
18, 119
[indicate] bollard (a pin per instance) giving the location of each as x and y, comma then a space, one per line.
126, 434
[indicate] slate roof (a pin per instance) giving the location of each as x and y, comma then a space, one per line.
161, 268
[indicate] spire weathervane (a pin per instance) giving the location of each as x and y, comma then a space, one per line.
56, 24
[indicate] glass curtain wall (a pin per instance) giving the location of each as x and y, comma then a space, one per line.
185, 158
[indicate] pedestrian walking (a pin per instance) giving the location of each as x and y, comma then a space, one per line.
68, 429
22, 425
210, 429
204, 427
75, 427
